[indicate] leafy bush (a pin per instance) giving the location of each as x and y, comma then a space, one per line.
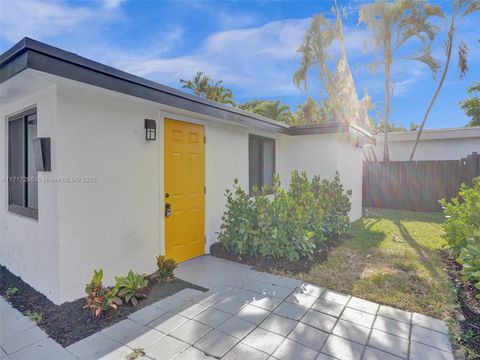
34, 315
100, 299
165, 270
470, 259
131, 287
294, 224
462, 216
11, 291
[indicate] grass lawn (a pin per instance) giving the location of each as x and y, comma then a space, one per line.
394, 258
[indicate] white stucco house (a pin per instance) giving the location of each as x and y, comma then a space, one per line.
435, 144
127, 168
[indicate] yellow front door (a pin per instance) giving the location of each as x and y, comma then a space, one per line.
184, 190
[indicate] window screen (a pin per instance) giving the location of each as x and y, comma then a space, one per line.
261, 162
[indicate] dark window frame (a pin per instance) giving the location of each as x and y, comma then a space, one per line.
261, 165
15, 208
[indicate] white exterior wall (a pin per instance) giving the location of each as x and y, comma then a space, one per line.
117, 222
28, 247
322, 155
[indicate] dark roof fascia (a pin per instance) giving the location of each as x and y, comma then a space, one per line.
331, 128
29, 53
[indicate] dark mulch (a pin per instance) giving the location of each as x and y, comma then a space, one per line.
271, 264
70, 322
470, 306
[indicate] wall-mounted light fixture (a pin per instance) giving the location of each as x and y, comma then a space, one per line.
150, 129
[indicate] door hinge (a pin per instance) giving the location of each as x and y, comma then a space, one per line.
204, 139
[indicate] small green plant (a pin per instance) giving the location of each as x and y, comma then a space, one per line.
11, 292
469, 258
135, 354
100, 299
166, 267
34, 315
131, 287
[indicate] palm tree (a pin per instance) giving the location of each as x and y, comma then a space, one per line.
275, 110
393, 24
460, 9
203, 86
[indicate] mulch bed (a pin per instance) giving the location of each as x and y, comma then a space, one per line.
470, 306
70, 322
271, 264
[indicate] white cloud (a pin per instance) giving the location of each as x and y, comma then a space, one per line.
112, 4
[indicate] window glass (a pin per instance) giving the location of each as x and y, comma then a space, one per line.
32, 186
261, 162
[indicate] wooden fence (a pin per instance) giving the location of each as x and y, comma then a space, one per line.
416, 185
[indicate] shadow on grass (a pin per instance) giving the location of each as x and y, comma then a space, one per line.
404, 215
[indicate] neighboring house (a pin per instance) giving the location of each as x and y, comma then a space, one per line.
112, 199
438, 144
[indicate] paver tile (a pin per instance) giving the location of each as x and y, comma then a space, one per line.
322, 356
236, 327
328, 307
122, 330
253, 314
212, 317
278, 324
308, 336
93, 346
358, 317
263, 340
9, 328
288, 282
267, 277
429, 323
167, 323
266, 302
169, 303
319, 320
190, 310
336, 297
61, 355
279, 291
351, 331
389, 343
395, 314
193, 354
144, 338
119, 353
244, 352
257, 286
146, 315
309, 289
301, 299
229, 305
375, 354
363, 305
190, 331
216, 343
166, 348
393, 327
423, 352
42, 350
245, 295
431, 338
342, 349
291, 311
18, 341
187, 294
291, 350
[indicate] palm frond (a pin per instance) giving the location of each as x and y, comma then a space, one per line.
472, 6
462, 58
427, 58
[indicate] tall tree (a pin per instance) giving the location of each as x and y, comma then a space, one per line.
205, 87
274, 110
471, 106
460, 9
310, 112
393, 24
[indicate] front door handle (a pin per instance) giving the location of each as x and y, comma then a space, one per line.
168, 210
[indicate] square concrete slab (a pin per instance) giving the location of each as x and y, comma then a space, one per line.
288, 282
269, 278
351, 331
301, 299
244, 352
291, 350
389, 343
263, 340
42, 350
212, 317
190, 310
187, 294
253, 314
423, 352
146, 315
395, 314
167, 323
193, 354
236, 327
363, 305
257, 286
229, 305
328, 307
375, 354
358, 317
342, 349
170, 303
144, 338
319, 320
309, 289
166, 348
266, 302
429, 323
122, 330
336, 297
308, 336
291, 311
121, 352
278, 324
23, 339
216, 343
393, 327
190, 331
431, 338
94, 346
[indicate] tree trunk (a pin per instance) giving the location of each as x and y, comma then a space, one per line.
388, 63
439, 87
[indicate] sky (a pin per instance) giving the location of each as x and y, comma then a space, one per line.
250, 45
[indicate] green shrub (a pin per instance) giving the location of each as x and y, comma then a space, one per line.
34, 315
470, 259
165, 270
462, 216
131, 287
100, 299
292, 224
11, 291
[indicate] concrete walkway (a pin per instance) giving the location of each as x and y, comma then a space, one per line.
245, 315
